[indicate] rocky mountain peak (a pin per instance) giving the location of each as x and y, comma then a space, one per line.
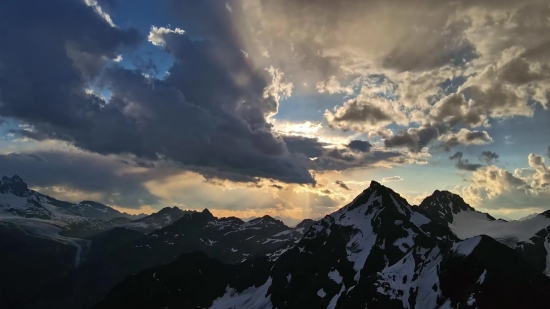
14, 185
443, 205
169, 210
306, 223
207, 214
379, 196
546, 214
375, 184
266, 220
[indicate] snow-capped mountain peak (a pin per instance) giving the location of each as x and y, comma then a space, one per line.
451, 211
14, 185
443, 206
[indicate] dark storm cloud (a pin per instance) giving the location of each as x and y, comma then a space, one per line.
311, 147
208, 115
232, 23
342, 185
80, 172
49, 41
417, 138
338, 154
360, 146
463, 164
488, 157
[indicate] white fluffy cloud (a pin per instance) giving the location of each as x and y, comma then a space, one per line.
158, 34
456, 64
492, 187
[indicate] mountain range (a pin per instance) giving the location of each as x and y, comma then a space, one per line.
376, 252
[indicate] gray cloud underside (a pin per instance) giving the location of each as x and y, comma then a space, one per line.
342, 185
359, 146
199, 116
356, 154
488, 157
464, 164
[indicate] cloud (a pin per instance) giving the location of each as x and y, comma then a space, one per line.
548, 152
541, 179
157, 34
342, 185
333, 86
341, 159
415, 138
463, 164
208, 115
367, 112
492, 187
76, 175
449, 69
392, 178
226, 198
357, 114
310, 147
488, 157
49, 85
464, 137
330, 157
454, 109
359, 146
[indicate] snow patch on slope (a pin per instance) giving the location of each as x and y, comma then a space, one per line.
398, 280
466, 247
335, 276
321, 293
251, 298
361, 243
48, 230
334, 300
468, 224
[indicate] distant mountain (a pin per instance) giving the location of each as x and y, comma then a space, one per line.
465, 222
122, 252
528, 217
18, 200
288, 220
157, 220
376, 252
525, 236
100, 211
146, 224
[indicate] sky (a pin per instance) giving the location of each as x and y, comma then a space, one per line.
280, 107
